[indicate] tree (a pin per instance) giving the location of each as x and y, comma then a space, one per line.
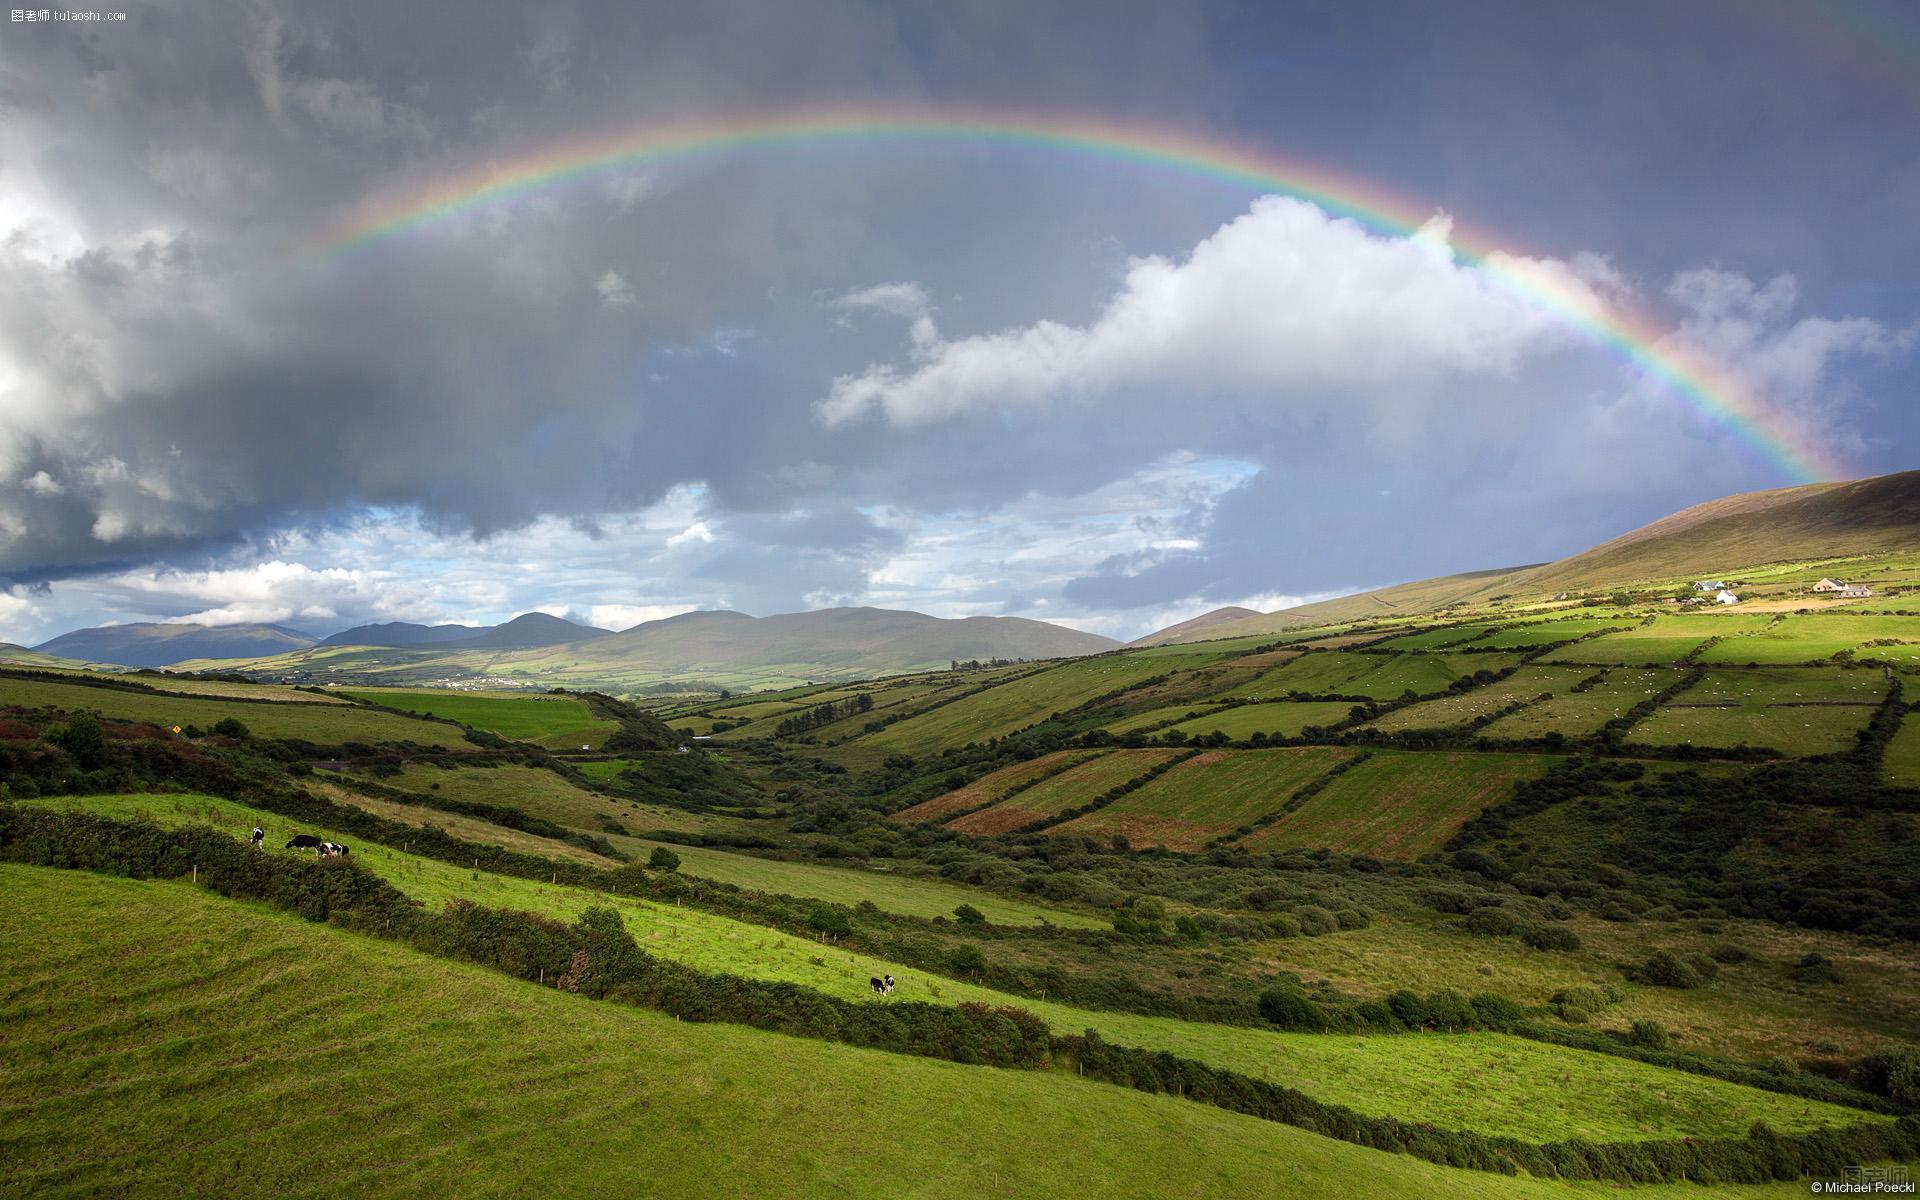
663, 859
967, 959
232, 727
967, 914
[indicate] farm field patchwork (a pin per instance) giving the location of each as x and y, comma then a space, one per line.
322, 724
1018, 703
1578, 714
1207, 796
547, 795
1376, 676
1435, 639
1451, 711
1795, 710
1666, 640
1400, 804
1802, 639
1540, 633
1069, 789
1284, 717
989, 788
556, 722
803, 1117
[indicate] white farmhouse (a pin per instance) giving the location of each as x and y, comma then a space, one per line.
1725, 597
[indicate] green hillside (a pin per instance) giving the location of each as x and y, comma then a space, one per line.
260, 1023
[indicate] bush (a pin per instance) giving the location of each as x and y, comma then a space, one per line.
1550, 937
663, 859
1649, 1034
81, 738
967, 914
1572, 1014
1727, 952
1352, 918
1315, 920
1816, 968
1490, 922
967, 959
1290, 1009
1283, 925
1664, 968
231, 727
1894, 1074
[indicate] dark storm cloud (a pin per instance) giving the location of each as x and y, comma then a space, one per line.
183, 384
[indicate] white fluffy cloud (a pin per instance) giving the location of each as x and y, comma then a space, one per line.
1283, 297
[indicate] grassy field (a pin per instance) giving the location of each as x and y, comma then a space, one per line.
1377, 676
556, 722
1538, 633
548, 795
1800, 639
1666, 640
1435, 639
1795, 710
1157, 716
283, 1058
1018, 703
325, 724
1493, 1082
1285, 717
989, 788
1902, 764
1206, 796
1069, 789
219, 688
1451, 711
1578, 714
1400, 805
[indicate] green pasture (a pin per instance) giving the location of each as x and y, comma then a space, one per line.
1284, 717
276, 1057
992, 787
324, 724
1451, 711
1207, 796
1580, 714
556, 722
1400, 805
1069, 789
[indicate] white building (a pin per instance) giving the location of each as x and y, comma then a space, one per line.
1725, 597
1855, 591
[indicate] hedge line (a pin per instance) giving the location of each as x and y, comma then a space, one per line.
597, 957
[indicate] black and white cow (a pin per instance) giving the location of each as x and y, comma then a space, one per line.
259, 835
883, 986
305, 841
332, 850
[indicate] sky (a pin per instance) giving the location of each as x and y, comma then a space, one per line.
961, 376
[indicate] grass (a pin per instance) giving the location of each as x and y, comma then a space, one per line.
1285, 717
325, 724
274, 1057
1020, 702
1400, 805
1902, 765
1577, 714
1666, 640
989, 788
556, 722
1451, 711
1377, 676
1206, 796
1069, 789
1800, 639
1537, 633
1795, 710
1493, 1082
547, 794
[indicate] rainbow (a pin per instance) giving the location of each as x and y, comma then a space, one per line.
1644, 343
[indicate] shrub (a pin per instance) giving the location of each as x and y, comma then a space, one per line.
967, 959
231, 727
1572, 1014
1651, 1035
663, 859
1290, 1009
81, 738
1449, 1010
1664, 968
1703, 965
1352, 918
1493, 1011
1315, 920
1283, 925
1727, 952
1490, 922
1550, 937
967, 914
1816, 968
1894, 1074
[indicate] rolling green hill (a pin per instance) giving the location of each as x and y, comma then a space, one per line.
283, 1058
1815, 523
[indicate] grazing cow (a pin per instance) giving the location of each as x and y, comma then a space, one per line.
259, 835
882, 987
332, 850
305, 841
